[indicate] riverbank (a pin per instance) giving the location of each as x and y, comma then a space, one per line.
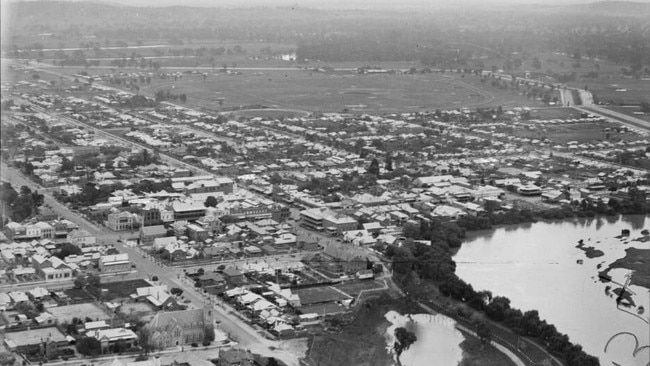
637, 260
476, 353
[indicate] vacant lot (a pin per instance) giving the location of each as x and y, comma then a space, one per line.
81, 311
317, 295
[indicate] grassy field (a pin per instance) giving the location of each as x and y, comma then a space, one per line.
82, 311
477, 354
554, 113
353, 289
124, 288
629, 110
581, 132
317, 295
338, 91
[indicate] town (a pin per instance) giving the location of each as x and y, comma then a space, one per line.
141, 228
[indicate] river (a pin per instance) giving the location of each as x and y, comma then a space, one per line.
535, 266
438, 340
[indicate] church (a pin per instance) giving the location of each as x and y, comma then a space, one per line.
175, 328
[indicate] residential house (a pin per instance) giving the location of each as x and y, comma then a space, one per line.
51, 269
109, 337
233, 276
212, 282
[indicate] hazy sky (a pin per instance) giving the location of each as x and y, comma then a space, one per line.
333, 3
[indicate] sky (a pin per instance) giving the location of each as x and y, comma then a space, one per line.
334, 3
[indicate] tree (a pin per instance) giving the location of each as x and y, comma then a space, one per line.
374, 167
403, 340
176, 291
272, 362
645, 107
144, 337
211, 201
483, 332
68, 249
389, 163
89, 346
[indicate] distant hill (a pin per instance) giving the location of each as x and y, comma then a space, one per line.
617, 7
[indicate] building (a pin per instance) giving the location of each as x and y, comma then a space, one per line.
224, 185
114, 263
175, 328
47, 340
321, 218
108, 338
51, 269
150, 217
233, 276
81, 238
121, 220
197, 233
19, 232
188, 211
213, 283
149, 233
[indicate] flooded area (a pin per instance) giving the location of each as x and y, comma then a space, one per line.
538, 266
438, 340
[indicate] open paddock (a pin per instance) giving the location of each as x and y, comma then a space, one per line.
317, 295
589, 132
81, 311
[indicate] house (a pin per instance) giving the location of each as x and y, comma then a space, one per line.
51, 269
197, 233
149, 233
81, 238
46, 339
114, 263
236, 357
158, 296
212, 282
233, 276
529, 190
109, 337
168, 241
176, 328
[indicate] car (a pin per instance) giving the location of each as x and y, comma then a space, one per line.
187, 301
